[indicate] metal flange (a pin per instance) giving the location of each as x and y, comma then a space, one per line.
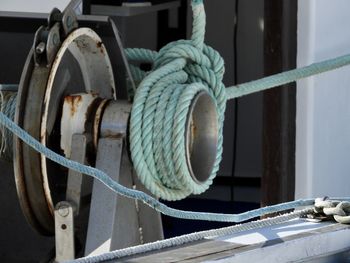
81, 64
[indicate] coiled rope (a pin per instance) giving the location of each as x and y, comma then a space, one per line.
232, 92
139, 195
181, 70
161, 105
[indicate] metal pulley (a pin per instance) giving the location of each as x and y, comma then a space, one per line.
64, 60
66, 100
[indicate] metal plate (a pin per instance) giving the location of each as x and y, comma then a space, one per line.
81, 65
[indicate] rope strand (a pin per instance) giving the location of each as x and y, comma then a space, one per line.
175, 80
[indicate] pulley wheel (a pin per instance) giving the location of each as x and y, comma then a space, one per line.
81, 65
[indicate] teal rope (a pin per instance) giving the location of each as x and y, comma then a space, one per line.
189, 238
181, 70
139, 195
286, 77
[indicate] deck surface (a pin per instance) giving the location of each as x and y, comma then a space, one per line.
295, 241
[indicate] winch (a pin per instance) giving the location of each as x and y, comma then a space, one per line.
67, 100
96, 147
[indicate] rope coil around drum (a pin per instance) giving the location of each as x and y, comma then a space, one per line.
157, 138
162, 101
179, 77
232, 92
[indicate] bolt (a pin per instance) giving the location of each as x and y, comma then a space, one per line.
63, 210
69, 21
40, 48
55, 39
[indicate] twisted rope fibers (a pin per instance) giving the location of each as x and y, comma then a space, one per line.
139, 195
183, 81
157, 127
8, 107
185, 239
232, 92
182, 69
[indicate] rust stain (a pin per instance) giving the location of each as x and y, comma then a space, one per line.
99, 45
73, 102
194, 129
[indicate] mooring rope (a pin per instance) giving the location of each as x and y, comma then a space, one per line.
139, 195
197, 69
180, 71
188, 238
161, 105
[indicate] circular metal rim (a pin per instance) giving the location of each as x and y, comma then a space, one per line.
40, 216
22, 192
202, 133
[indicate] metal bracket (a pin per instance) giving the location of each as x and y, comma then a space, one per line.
115, 221
64, 232
75, 183
129, 78
48, 39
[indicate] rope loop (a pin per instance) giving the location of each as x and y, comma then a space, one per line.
328, 209
181, 70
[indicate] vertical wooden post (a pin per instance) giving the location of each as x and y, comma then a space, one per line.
279, 104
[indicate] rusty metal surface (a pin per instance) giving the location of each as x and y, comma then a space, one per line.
97, 123
29, 182
75, 119
22, 191
41, 183
82, 65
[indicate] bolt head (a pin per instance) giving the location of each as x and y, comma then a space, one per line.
63, 210
55, 39
69, 21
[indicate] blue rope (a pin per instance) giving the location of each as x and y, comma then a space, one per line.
162, 101
141, 196
172, 69
286, 77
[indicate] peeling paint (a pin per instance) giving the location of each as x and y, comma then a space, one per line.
74, 102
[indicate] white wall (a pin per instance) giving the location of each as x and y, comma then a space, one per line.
35, 6
323, 102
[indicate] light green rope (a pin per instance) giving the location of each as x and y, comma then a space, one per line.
180, 71
162, 101
158, 112
286, 77
161, 105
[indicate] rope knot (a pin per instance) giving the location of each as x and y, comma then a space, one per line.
328, 209
181, 71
